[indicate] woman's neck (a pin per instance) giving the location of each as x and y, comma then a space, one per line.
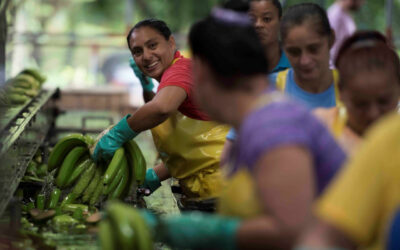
273, 55
317, 85
245, 102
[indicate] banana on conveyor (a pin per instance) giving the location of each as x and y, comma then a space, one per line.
25, 81
40, 201
54, 198
68, 165
35, 73
22, 91
70, 198
18, 98
63, 147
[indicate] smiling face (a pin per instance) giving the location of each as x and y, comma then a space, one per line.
265, 17
152, 53
307, 51
369, 95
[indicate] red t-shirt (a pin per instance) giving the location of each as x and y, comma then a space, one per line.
180, 74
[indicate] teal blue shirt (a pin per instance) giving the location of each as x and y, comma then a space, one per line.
324, 99
282, 64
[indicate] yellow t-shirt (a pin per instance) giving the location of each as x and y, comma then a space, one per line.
365, 196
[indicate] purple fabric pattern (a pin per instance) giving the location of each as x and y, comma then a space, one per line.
287, 123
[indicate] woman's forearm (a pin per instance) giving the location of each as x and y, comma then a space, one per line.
147, 117
264, 233
156, 111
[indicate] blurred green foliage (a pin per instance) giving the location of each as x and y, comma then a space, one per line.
371, 16
178, 14
71, 39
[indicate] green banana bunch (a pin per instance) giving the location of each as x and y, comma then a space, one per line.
90, 183
35, 73
124, 227
21, 88
25, 81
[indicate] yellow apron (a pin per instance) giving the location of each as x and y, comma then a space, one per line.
282, 77
240, 198
191, 151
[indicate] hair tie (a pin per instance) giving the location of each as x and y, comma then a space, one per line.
230, 16
366, 43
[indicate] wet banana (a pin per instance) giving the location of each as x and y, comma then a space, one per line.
68, 165
62, 148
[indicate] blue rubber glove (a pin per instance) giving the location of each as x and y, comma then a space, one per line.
151, 181
194, 230
113, 140
146, 82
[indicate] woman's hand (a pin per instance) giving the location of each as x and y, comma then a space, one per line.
154, 177
146, 82
112, 140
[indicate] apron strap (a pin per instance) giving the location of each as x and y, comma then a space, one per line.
281, 80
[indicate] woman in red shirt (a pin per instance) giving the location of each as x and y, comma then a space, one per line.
189, 144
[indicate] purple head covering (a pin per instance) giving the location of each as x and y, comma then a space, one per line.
230, 16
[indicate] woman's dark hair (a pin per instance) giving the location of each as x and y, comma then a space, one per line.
227, 41
158, 25
297, 14
276, 3
366, 51
237, 5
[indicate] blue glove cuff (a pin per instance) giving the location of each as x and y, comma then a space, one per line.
149, 217
152, 181
124, 129
199, 230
